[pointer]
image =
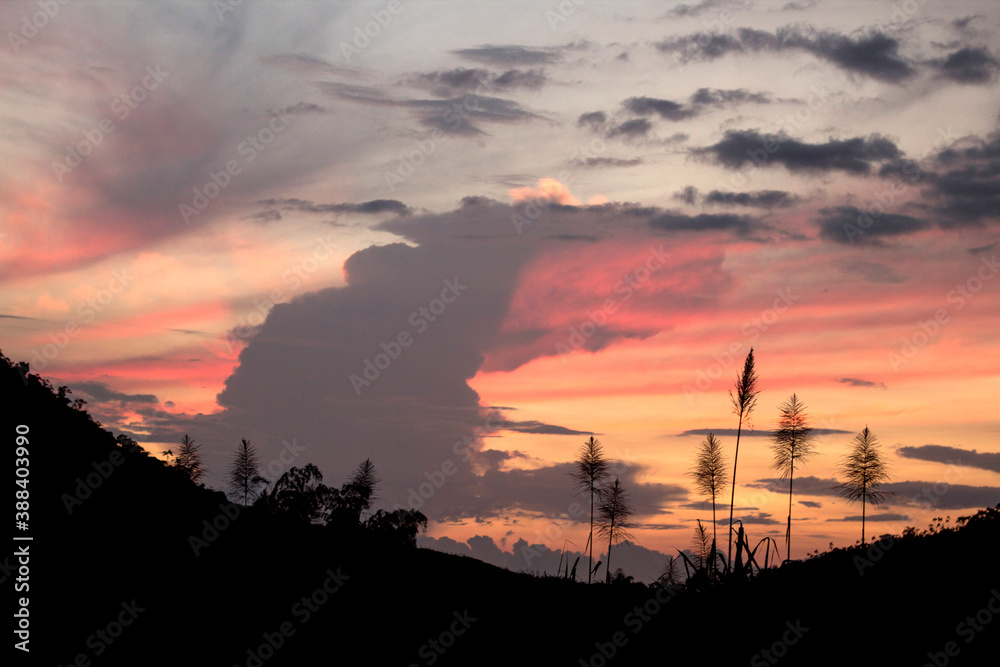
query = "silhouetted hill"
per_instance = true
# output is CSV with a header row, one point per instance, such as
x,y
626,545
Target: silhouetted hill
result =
x,y
127,553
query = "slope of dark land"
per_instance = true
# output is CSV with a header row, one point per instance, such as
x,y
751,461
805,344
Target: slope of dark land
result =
x,y
127,552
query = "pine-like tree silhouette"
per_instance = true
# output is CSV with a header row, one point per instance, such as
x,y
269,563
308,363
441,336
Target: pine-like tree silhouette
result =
x,y
793,443
244,473
590,469
359,492
744,401
865,472
614,517
709,474
188,459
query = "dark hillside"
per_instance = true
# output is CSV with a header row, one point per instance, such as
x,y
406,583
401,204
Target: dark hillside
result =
x,y
263,591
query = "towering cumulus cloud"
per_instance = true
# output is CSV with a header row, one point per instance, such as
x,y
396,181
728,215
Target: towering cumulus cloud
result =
x,y
380,368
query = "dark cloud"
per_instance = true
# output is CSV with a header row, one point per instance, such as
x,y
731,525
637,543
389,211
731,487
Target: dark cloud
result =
x,y
683,10
856,155
761,518
752,433
645,106
539,428
874,54
373,207
740,224
593,119
689,195
875,517
767,199
970,65
854,382
953,456
263,216
446,83
966,181
638,127
928,495
985,248
100,392
508,55
799,5
702,100
806,485
941,495
599,162
811,504
303,108
715,97
306,64
457,115
847,224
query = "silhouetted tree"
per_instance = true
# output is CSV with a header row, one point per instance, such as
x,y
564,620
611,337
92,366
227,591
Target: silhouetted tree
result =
x,y
614,517
399,527
865,472
244,473
590,469
300,495
709,474
744,401
188,459
793,443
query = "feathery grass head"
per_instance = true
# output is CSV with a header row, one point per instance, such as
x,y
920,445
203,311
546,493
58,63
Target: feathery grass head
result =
x,y
745,397
794,438
591,467
864,470
709,472
615,512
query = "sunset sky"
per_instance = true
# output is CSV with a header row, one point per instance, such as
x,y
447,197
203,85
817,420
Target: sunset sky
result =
x,y
527,223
